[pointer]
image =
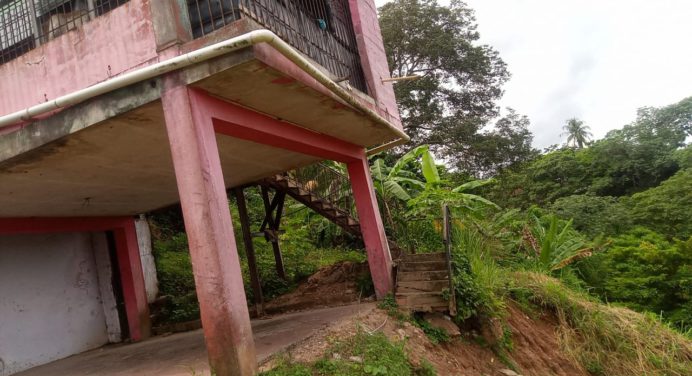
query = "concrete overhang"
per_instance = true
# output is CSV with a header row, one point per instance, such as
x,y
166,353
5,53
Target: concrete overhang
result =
x,y
110,155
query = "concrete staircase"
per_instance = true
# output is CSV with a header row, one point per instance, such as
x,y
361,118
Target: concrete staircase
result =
x,y
420,280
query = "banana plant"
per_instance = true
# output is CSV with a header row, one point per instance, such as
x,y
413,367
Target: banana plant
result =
x,y
556,246
402,182
397,181
397,184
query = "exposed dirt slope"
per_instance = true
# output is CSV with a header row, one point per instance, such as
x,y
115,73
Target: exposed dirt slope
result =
x,y
334,285
535,347
536,351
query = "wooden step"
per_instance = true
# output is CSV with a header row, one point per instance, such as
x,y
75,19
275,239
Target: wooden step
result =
x,y
422,286
424,302
420,257
435,275
423,266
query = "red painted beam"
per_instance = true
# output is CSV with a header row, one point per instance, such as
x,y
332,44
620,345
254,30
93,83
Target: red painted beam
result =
x,y
127,250
58,224
132,281
235,121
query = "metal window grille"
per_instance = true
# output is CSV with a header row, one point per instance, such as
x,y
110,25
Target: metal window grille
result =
x,y
25,24
321,29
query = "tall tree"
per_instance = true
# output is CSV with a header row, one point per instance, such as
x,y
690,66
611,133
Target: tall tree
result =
x,y
506,145
578,134
460,78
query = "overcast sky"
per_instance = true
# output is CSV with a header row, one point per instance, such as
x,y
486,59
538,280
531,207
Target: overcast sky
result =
x,y
597,60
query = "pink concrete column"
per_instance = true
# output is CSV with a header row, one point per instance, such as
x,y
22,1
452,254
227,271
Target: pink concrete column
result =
x,y
374,237
215,262
132,280
373,57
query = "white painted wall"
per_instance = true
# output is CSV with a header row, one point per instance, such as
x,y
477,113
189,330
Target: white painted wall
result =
x,y
104,272
151,282
50,298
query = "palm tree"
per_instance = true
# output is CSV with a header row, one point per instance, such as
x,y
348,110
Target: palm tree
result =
x,y
577,133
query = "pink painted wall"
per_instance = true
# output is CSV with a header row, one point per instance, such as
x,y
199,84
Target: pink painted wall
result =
x,y
113,43
373,57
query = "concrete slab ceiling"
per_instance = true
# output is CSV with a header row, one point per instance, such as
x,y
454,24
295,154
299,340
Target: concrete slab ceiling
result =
x,y
102,165
121,166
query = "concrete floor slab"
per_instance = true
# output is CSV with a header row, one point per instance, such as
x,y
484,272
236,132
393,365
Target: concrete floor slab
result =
x,y
183,354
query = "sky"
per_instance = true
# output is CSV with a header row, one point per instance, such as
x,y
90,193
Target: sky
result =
x,y
596,60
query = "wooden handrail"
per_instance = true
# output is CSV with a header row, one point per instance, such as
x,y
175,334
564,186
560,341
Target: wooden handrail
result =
x,y
448,253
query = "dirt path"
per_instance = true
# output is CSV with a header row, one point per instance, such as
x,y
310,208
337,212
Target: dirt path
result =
x,y
184,354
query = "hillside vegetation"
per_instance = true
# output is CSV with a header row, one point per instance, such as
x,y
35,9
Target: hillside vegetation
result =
x,y
595,235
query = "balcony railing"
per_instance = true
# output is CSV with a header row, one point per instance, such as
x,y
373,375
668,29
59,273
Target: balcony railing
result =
x,y
25,24
321,29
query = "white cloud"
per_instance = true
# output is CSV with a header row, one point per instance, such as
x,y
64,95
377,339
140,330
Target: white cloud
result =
x,y
592,59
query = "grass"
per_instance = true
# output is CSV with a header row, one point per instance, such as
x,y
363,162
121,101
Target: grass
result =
x,y
363,354
479,282
604,339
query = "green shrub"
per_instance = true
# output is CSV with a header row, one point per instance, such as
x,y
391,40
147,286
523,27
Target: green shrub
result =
x,y
666,208
594,215
176,280
435,335
646,272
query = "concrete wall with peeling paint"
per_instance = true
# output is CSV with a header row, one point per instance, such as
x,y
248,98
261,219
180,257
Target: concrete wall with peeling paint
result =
x,y
53,302
113,43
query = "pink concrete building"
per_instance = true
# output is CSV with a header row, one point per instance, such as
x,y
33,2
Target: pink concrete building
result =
x,y
112,108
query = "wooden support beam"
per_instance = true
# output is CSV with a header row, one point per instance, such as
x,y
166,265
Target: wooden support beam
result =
x,y
278,257
269,209
250,252
273,223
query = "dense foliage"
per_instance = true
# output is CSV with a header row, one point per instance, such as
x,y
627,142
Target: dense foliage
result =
x,y
631,194
635,158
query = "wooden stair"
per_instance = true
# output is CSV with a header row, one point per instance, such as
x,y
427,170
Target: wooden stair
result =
x,y
340,217
420,281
